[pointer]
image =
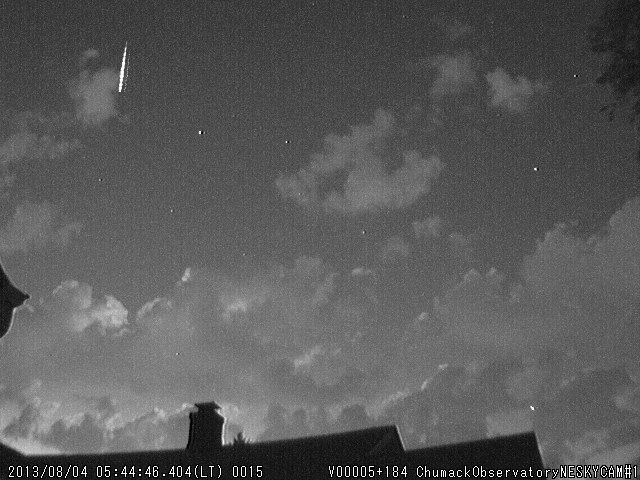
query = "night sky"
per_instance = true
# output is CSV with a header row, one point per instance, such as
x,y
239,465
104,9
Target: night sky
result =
x,y
321,215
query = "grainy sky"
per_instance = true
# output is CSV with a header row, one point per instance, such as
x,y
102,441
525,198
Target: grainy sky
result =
x,y
319,214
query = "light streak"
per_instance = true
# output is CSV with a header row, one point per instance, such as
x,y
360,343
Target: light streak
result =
x,y
124,69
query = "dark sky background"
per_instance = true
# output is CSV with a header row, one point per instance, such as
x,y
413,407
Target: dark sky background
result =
x,y
321,215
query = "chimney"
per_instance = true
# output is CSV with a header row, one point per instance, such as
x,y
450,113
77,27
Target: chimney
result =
x,y
205,429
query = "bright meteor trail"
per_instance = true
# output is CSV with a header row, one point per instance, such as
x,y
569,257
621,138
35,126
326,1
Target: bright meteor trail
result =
x,y
123,69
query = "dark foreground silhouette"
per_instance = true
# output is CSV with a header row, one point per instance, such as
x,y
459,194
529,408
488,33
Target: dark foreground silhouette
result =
x,y
10,299
371,453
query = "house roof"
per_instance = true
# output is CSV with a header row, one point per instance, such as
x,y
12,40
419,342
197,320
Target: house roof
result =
x,y
514,451
359,444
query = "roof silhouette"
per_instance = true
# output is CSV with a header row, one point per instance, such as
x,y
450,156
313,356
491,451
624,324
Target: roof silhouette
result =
x,y
301,458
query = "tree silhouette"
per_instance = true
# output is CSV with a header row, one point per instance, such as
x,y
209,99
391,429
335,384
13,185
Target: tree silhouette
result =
x,y
617,34
240,440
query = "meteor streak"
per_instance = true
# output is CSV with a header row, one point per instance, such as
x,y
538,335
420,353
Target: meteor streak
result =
x,y
124,70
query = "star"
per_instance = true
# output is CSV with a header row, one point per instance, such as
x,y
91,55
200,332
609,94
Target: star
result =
x,y
535,169
172,210
200,132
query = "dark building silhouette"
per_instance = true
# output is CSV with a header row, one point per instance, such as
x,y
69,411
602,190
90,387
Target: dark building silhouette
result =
x,y
10,299
379,450
374,452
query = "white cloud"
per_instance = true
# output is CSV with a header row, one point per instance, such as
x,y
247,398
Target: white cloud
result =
x,y
210,331
368,185
74,302
35,226
576,294
308,357
512,95
100,430
94,94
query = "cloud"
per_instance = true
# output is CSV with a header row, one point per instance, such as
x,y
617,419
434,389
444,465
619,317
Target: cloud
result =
x,y
211,330
434,229
354,165
35,226
283,376
101,429
362,272
455,74
512,95
309,357
26,145
582,417
575,294
34,137
428,228
74,301
509,423
94,94
88,54
452,405
26,424
280,423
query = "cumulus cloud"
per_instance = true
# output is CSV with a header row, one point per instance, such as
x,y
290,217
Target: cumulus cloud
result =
x,y
452,405
26,424
512,95
356,164
94,94
35,226
100,429
26,145
239,337
303,386
438,234
582,418
576,293
456,74
34,136
74,301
